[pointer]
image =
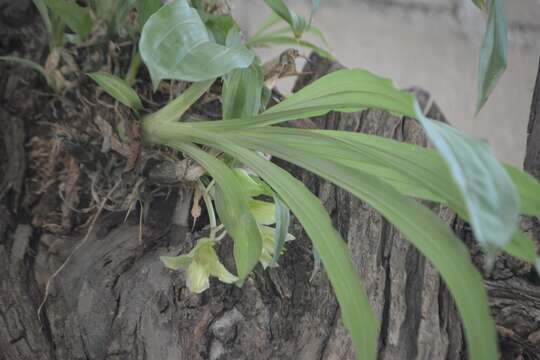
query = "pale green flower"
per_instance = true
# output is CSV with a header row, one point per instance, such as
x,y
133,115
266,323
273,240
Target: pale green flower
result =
x,y
201,263
269,244
264,212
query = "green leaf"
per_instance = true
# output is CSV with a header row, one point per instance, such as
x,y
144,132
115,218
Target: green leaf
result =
x,y
283,219
343,90
529,191
272,20
357,315
175,44
242,92
298,23
315,5
232,207
410,169
489,194
251,187
269,246
34,66
174,110
145,8
44,13
118,89
494,52
422,228
264,212
287,40
219,26
479,3
77,18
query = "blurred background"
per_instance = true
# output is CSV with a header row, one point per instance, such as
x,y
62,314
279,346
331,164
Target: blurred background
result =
x,y
433,44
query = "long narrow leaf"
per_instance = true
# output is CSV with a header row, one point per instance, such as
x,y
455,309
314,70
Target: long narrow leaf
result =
x,y
288,40
233,210
412,170
426,231
118,89
490,196
357,314
282,227
174,110
494,52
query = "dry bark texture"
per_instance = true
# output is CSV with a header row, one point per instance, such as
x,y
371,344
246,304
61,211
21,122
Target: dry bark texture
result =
x,y
115,300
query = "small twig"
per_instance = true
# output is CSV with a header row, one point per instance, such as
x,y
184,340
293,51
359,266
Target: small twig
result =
x,y
86,237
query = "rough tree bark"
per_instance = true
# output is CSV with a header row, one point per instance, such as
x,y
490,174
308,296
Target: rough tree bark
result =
x,y
115,300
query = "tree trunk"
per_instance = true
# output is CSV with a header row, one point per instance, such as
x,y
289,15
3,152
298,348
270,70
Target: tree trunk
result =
x,y
113,299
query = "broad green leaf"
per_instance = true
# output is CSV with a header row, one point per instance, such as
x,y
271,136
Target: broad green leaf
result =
x,y
118,89
422,228
175,44
283,219
490,196
174,110
270,39
233,210
494,52
77,18
145,8
242,92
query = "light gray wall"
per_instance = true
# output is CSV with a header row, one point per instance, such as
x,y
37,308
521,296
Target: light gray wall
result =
x,y
433,44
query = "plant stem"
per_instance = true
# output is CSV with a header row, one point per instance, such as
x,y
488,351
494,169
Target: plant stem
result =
x,y
133,68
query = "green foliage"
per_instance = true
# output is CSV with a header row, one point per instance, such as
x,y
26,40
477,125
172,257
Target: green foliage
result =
x,y
51,79
118,89
77,18
233,209
494,52
283,219
350,90
242,92
479,3
254,198
488,191
145,8
175,44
